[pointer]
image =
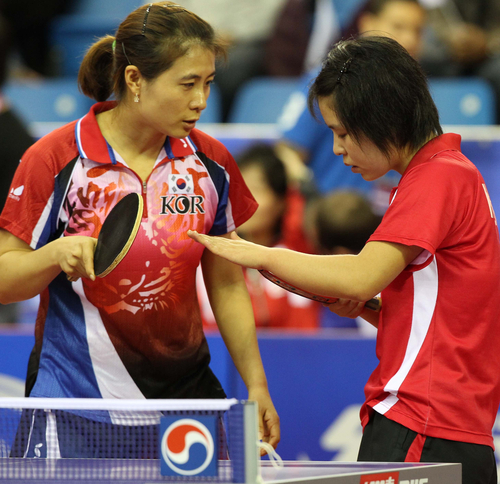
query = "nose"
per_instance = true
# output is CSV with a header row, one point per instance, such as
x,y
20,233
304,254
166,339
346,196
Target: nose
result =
x,y
338,148
199,100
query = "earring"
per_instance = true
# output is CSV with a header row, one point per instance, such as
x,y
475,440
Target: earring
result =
x,y
136,98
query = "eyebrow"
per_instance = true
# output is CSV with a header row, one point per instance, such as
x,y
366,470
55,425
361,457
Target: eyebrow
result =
x,y
189,77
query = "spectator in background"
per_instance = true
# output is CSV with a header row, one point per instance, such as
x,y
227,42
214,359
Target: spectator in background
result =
x,y
274,307
304,31
306,144
30,22
341,222
246,27
464,40
403,20
14,141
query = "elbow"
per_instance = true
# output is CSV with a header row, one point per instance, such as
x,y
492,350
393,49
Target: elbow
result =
x,y
6,297
5,300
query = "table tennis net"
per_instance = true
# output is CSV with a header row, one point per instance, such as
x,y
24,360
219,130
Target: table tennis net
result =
x,y
98,439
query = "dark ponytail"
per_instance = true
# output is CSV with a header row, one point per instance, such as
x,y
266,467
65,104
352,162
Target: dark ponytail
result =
x,y
95,77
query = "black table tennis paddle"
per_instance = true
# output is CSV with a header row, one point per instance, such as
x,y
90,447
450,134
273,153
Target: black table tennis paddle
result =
x,y
374,304
117,233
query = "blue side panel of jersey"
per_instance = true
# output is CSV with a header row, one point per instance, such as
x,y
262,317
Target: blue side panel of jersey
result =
x,y
219,178
65,365
53,227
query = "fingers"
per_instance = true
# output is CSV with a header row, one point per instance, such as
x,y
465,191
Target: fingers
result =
x,y
269,426
213,244
76,257
272,433
347,308
88,259
269,421
201,239
194,235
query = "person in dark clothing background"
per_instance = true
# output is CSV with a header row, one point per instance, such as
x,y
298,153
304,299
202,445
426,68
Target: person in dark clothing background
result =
x,y
14,141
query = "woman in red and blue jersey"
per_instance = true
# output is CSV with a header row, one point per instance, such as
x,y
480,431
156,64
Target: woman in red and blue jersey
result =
x,y
136,333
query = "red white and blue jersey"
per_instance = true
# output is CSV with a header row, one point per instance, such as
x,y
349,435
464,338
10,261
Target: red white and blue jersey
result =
x,y
136,333
439,335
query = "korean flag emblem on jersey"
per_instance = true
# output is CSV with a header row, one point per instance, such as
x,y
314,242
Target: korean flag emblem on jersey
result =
x,y
181,184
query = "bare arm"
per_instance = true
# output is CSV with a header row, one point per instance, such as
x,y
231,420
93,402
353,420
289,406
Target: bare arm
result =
x,y
27,272
357,277
232,308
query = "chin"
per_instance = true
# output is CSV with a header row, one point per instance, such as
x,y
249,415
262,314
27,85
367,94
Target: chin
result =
x,y
180,133
372,177
369,176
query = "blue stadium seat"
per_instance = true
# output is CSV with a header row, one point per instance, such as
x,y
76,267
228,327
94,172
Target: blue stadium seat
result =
x,y
119,8
460,101
261,100
463,100
57,100
73,34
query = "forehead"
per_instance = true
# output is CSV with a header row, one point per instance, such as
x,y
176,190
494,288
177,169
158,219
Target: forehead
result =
x,y
197,61
329,115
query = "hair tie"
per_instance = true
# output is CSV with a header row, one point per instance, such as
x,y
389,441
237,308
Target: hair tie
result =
x,y
114,45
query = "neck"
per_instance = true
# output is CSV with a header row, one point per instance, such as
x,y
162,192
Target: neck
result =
x,y
409,153
136,144
121,129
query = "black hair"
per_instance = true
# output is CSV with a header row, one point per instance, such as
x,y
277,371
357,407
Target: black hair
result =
x,y
263,155
344,219
379,92
151,38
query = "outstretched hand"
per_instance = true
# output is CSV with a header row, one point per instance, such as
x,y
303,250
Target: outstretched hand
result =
x,y
235,249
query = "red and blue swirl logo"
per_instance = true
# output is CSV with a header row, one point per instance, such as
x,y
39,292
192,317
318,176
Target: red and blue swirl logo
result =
x,y
187,447
181,183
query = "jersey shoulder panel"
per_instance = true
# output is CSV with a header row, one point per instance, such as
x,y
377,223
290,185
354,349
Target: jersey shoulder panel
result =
x,y
56,148
210,146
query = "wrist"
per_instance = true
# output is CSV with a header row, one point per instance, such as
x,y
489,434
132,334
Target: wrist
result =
x,y
258,386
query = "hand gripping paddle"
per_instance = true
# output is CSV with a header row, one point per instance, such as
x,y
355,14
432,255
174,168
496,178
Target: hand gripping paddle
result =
x,y
375,304
117,233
